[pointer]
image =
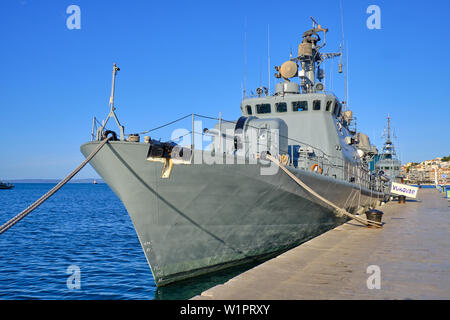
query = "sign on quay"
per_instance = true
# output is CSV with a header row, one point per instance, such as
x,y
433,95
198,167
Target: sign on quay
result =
x,y
404,190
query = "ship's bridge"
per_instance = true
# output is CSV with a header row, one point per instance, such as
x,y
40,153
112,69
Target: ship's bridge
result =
x,y
291,105
312,119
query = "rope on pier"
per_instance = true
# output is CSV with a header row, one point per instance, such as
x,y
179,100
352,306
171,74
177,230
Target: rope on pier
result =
x,y
307,188
42,199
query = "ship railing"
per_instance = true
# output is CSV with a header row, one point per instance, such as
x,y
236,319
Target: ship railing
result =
x,y
339,168
193,117
331,165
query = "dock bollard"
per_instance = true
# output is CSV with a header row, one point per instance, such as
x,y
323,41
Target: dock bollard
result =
x,y
374,215
401,199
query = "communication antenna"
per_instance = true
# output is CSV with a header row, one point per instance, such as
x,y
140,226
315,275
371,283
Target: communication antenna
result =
x,y
260,73
342,19
268,54
245,58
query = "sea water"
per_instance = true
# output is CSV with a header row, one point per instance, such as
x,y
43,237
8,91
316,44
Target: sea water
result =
x,y
80,244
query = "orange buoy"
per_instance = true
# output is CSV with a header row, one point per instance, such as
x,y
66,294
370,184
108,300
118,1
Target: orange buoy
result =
x,y
316,168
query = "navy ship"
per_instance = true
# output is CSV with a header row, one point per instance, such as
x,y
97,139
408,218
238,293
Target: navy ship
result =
x,y
197,210
388,164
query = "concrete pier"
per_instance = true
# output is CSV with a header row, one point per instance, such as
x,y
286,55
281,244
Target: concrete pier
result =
x,y
412,252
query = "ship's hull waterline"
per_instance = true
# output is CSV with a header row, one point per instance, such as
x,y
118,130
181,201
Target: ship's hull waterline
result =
x,y
209,217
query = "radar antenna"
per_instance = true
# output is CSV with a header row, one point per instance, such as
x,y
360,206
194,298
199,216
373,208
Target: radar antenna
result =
x,y
310,58
307,64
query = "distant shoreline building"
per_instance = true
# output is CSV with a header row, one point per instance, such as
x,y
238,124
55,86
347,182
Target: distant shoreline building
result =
x,y
435,171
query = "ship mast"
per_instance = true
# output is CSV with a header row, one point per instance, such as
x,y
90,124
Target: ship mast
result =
x,y
388,148
308,60
112,107
389,127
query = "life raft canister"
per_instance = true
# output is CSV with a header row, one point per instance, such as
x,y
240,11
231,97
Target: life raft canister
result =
x,y
284,159
316,168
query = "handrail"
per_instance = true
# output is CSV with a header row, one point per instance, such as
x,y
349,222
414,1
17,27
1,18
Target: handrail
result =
x,y
319,156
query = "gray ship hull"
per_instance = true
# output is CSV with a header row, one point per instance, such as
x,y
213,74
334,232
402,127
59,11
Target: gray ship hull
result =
x,y
209,217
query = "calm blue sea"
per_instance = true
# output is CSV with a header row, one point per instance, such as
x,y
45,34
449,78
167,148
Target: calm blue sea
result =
x,y
87,227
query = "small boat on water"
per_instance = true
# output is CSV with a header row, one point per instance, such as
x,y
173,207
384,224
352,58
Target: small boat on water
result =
x,y
6,185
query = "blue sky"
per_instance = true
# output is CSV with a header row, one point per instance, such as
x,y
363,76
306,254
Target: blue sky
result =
x,y
178,57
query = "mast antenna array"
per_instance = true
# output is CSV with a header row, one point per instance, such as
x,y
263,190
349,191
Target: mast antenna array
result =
x,y
309,59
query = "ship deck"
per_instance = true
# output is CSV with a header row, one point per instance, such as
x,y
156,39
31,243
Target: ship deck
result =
x,y
412,252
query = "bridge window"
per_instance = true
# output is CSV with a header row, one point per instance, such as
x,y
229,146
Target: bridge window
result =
x,y
299,105
281,107
328,107
337,109
263,108
249,109
316,105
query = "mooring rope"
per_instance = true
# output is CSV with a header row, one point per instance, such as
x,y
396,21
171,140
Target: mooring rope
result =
x,y
41,200
311,191
167,124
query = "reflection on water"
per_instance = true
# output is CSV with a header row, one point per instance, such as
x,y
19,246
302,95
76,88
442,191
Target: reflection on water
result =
x,y
84,225
189,288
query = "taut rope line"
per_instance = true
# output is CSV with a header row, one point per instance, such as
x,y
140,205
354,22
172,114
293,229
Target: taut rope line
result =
x,y
307,188
42,199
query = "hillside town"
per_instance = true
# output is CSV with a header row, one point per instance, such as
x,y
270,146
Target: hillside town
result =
x,y
435,171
